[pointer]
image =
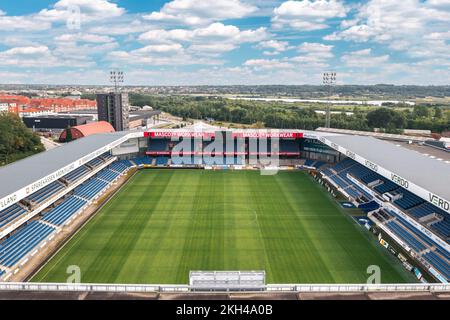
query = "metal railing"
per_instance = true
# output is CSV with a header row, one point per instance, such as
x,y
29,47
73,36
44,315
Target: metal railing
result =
x,y
270,288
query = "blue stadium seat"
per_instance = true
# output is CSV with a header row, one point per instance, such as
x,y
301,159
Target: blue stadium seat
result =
x,y
158,145
107,175
162,161
386,186
440,264
46,192
291,146
95,162
10,214
13,249
90,189
76,174
63,211
409,200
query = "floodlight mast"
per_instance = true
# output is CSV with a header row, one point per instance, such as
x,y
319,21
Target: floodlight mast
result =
x,y
329,79
116,78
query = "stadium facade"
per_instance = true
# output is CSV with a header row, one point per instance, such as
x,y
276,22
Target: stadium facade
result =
x,y
406,194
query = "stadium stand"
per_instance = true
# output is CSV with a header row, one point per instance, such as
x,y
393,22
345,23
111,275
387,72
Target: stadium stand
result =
x,y
13,249
408,200
439,263
338,174
158,145
143,161
314,163
106,156
162,161
63,211
443,227
369,206
76,174
46,192
94,163
430,250
90,189
290,146
120,166
406,236
10,214
424,210
386,186
107,175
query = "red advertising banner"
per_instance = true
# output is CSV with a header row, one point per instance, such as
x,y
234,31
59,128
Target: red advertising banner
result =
x,y
209,135
178,134
281,135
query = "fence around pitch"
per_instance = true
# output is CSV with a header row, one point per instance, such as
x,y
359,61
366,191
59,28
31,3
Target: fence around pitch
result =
x,y
271,288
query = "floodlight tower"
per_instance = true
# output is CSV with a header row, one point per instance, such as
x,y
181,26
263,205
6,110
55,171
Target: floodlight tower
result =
x,y
329,79
116,78
113,107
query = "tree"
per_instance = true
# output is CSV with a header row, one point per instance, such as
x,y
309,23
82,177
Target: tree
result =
x,y
68,135
16,140
438,114
386,119
421,111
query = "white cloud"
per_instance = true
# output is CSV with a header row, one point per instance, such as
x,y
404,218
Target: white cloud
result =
x,y
274,47
207,48
118,28
213,32
388,21
164,36
438,36
90,10
364,59
62,11
172,54
214,38
357,33
14,23
319,50
37,57
200,12
418,29
307,15
313,55
84,37
263,64
26,51
160,48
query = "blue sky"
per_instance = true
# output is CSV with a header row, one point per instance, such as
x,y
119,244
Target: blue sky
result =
x,y
214,42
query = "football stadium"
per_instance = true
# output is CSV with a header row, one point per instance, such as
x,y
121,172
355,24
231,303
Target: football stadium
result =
x,y
213,209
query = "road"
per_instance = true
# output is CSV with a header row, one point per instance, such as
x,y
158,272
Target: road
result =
x,y
49,144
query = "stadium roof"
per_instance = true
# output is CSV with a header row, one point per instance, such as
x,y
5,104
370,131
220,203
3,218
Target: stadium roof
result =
x,y
430,174
94,128
380,135
27,171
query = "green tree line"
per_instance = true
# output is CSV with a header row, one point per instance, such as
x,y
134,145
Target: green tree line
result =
x,y
283,115
16,140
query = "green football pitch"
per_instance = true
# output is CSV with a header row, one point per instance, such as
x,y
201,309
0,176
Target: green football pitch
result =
x,y
164,223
